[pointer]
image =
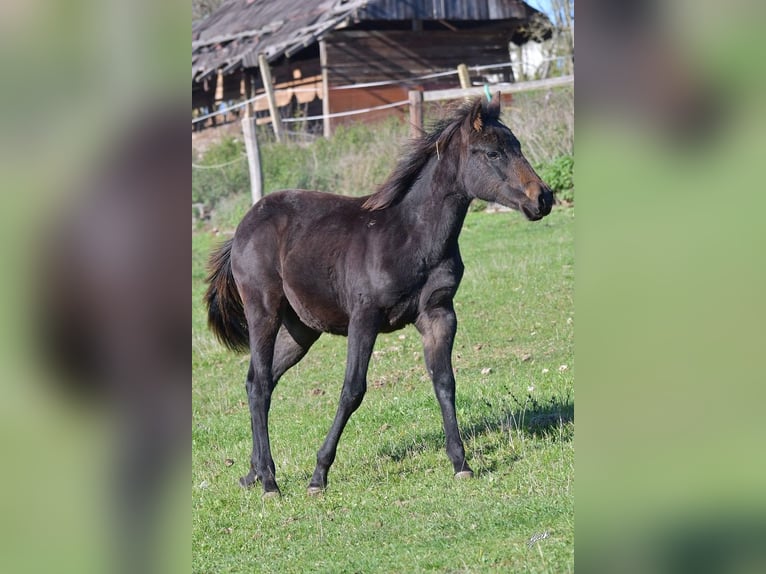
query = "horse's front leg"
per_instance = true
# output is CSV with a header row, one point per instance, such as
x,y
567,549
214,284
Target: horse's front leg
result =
x,y
437,327
362,332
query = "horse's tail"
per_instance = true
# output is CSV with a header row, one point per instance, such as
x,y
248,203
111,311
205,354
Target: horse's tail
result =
x,y
225,313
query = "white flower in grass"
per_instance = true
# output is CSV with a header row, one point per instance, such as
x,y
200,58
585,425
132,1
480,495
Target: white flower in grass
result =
x,y
545,371
531,388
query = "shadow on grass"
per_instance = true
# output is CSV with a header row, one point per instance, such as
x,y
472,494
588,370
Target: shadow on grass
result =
x,y
527,418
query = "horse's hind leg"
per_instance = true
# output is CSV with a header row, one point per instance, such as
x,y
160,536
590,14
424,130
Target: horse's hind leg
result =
x,y
362,333
259,385
293,341
251,477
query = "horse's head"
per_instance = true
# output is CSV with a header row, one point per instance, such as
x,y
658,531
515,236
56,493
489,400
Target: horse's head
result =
x,y
493,167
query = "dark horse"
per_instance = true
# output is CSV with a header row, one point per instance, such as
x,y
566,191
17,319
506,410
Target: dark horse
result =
x,y
303,262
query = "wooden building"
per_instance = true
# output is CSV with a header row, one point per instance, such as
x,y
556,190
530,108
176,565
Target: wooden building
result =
x,y
315,49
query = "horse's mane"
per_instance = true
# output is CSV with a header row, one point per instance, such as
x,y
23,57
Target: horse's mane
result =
x,y
419,150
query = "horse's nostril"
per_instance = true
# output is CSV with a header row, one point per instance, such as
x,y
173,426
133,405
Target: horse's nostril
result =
x,y
545,200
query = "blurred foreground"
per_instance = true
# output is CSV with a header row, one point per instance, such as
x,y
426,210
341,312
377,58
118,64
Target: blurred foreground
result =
x,y
670,283
94,417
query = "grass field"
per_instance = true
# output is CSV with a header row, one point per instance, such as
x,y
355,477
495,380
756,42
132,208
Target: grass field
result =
x,y
392,504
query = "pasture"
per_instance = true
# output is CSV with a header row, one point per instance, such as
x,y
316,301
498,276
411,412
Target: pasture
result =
x,y
392,504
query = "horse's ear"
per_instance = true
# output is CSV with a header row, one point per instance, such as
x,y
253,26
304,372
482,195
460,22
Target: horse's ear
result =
x,y
493,107
476,116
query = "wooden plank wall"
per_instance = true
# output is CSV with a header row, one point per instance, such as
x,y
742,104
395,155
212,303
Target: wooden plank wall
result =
x,y
363,98
356,56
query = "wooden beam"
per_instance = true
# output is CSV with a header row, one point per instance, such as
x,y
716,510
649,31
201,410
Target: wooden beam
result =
x,y
447,25
276,120
436,95
325,88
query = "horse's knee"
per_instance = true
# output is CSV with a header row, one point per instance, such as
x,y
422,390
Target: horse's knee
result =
x,y
352,395
444,388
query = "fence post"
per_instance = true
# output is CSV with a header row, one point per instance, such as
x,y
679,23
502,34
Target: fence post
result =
x,y
327,126
276,120
416,113
464,76
253,158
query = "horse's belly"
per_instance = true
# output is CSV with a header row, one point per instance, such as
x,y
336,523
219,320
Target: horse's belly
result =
x,y
317,311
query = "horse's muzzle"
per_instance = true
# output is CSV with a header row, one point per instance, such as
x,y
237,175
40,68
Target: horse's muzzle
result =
x,y
541,200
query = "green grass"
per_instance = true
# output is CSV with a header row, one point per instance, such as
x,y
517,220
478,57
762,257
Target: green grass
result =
x,y
392,504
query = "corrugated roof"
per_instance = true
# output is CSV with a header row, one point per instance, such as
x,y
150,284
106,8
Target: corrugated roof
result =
x,y
232,37
448,10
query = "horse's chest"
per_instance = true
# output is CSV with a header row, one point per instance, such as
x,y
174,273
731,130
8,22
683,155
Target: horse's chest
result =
x,y
435,288
401,312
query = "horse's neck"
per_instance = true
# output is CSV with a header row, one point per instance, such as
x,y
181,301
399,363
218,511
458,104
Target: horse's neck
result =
x,y
436,206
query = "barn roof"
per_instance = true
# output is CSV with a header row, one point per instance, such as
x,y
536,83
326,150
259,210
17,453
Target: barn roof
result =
x,y
233,35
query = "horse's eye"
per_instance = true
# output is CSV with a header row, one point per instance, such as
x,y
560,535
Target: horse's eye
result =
x,y
493,155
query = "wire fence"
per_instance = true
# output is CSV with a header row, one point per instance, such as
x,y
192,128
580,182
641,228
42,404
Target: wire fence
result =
x,y
404,82
219,165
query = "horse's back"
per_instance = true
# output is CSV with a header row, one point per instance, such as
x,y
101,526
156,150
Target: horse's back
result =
x,y
289,214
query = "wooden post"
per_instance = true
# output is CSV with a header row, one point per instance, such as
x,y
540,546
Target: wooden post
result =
x,y
416,113
253,158
325,88
464,76
276,120
249,93
219,87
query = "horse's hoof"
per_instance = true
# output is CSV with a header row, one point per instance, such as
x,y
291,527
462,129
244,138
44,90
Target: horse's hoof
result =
x,y
315,490
247,481
464,474
268,495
